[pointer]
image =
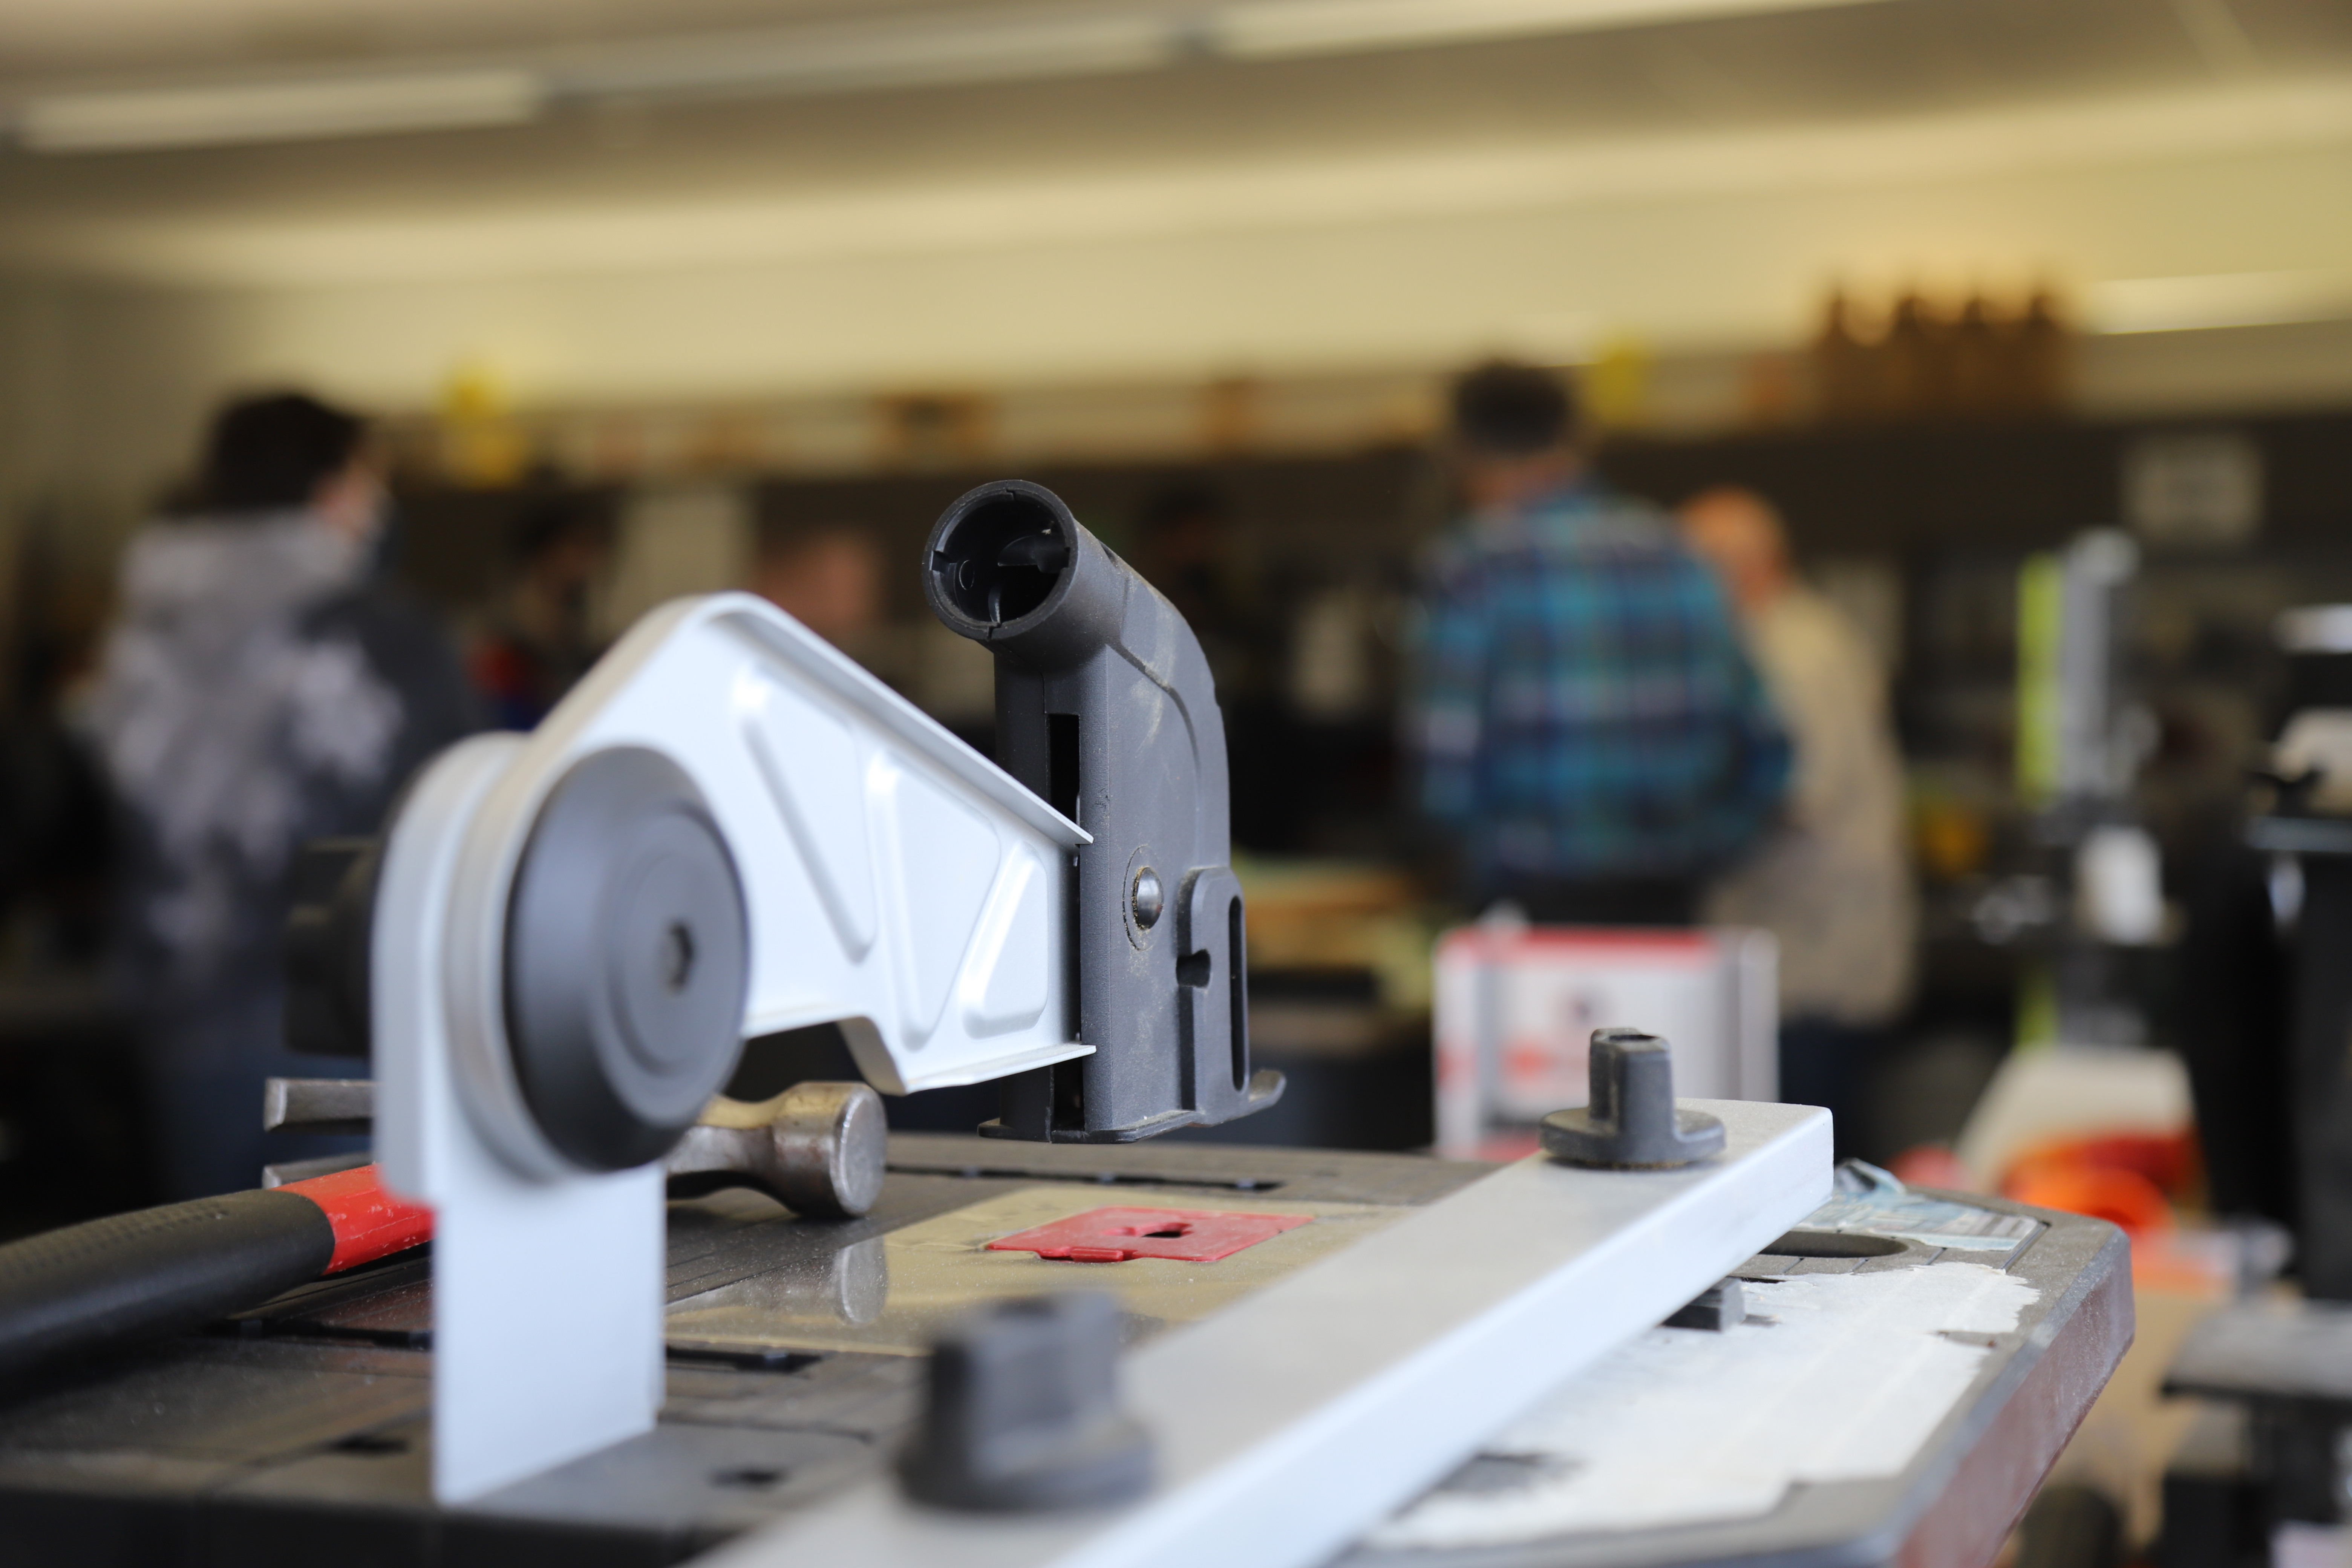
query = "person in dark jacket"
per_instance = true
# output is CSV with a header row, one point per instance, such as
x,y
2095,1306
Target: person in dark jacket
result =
x,y
257,690
538,640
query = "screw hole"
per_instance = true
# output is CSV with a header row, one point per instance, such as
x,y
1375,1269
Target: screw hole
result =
x,y
750,1479
1832,1244
677,956
1486,1475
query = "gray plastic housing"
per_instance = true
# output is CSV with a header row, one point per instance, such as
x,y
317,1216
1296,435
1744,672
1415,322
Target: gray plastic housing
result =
x,y
1105,707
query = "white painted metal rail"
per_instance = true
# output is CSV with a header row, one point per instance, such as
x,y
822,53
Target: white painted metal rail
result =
x,y
1294,1419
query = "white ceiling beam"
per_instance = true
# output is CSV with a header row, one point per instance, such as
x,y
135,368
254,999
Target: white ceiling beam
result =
x,y
298,110
946,51
2204,301
1273,28
1013,46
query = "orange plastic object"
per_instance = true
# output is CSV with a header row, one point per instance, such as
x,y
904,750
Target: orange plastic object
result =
x,y
2119,1197
2128,1178
2170,1160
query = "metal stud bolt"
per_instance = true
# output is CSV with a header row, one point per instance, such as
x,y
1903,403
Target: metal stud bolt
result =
x,y
1631,1122
1147,897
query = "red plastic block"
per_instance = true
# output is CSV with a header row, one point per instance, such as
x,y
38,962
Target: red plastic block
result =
x,y
1115,1234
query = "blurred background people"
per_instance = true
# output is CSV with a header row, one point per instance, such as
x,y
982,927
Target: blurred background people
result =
x,y
538,638
827,577
1587,723
1832,880
1185,542
1185,548
255,691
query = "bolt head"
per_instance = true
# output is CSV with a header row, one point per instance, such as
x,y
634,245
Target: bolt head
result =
x,y
1147,897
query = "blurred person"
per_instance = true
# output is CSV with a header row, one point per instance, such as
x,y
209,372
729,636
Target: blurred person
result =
x,y
828,578
539,641
1183,547
255,691
1278,770
1181,536
55,825
1833,882
1588,721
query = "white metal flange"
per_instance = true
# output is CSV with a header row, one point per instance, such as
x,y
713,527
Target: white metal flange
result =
x,y
894,881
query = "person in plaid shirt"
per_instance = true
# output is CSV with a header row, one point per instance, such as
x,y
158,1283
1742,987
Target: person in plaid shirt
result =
x,y
1586,720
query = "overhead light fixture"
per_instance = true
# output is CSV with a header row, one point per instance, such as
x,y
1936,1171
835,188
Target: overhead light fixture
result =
x,y
220,115
1014,46
2199,301
1044,43
906,51
1261,29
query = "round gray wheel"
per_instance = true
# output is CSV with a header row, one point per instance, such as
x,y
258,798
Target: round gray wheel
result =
x,y
627,959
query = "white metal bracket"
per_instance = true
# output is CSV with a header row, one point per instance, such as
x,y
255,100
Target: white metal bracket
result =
x,y
894,879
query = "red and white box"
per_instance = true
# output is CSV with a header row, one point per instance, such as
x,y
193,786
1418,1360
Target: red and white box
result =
x,y
1516,1005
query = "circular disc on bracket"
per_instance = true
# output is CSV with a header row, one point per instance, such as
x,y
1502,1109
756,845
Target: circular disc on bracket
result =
x,y
627,959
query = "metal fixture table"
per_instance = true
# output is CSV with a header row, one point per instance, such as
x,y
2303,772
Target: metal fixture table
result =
x,y
297,1433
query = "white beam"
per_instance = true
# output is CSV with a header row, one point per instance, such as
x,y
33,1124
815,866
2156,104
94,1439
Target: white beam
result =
x,y
1010,45
1300,1416
296,111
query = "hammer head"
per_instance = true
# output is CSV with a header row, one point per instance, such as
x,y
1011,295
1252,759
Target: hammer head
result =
x,y
819,1149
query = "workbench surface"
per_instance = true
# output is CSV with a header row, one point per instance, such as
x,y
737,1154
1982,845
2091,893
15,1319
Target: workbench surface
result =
x,y
298,1433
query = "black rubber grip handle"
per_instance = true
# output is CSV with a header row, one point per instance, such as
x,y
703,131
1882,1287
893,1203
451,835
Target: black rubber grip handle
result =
x,y
155,1272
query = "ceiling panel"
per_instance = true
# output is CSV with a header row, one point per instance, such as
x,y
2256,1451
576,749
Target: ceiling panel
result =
x,y
1864,64
61,38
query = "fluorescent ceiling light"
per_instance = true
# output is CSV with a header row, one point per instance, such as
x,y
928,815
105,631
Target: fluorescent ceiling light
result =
x,y
2216,300
1266,28
278,111
1033,46
840,59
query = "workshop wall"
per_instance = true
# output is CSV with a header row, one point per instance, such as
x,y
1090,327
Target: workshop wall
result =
x,y
1694,251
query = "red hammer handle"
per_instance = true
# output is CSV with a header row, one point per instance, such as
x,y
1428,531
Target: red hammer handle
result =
x,y
160,1271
